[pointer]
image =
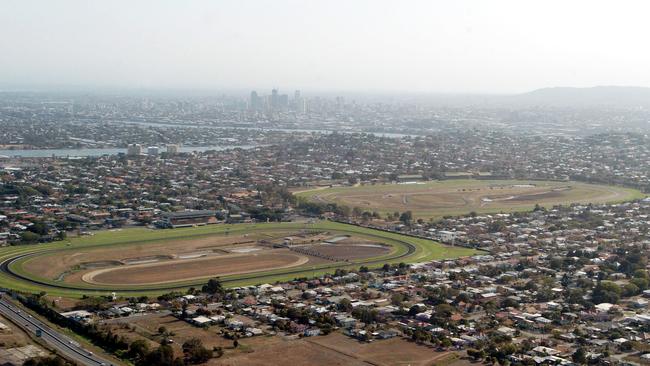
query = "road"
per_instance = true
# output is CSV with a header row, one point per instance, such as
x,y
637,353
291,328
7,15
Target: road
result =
x,y
65,346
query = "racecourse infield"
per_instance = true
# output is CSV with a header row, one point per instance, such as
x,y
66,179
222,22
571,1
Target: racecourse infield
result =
x,y
160,261
435,199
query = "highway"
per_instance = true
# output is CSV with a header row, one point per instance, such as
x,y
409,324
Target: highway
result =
x,y
65,346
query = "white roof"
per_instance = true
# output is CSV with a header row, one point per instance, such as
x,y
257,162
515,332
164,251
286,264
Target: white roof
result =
x,y
202,319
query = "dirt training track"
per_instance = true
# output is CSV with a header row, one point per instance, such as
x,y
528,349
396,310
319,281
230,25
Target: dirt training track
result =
x,y
192,269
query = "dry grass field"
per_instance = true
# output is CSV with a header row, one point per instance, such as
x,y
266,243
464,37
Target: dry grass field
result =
x,y
12,336
394,351
454,197
335,349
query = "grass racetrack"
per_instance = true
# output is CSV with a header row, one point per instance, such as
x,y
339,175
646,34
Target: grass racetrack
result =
x,y
435,199
140,261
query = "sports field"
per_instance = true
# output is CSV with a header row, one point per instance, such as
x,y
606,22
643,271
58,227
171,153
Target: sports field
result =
x,y
456,197
147,261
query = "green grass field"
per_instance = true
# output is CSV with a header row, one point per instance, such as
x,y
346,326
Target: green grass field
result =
x,y
423,250
435,199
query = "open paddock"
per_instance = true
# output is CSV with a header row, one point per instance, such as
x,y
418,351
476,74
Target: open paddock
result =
x,y
455,197
394,351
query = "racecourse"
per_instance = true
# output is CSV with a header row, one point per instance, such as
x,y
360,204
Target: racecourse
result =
x,y
435,199
19,272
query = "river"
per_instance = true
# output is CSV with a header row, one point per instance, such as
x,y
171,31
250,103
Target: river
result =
x,y
46,153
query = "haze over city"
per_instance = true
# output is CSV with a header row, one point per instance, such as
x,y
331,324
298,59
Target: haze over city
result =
x,y
504,46
359,182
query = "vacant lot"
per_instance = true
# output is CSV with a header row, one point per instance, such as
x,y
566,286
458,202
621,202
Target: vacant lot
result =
x,y
395,351
12,336
453,197
260,350
282,353
334,349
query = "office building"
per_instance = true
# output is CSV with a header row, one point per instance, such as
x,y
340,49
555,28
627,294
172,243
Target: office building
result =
x,y
172,149
134,150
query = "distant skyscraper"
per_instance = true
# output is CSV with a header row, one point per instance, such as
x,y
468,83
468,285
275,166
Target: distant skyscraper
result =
x,y
255,102
283,101
302,106
275,99
153,150
172,149
298,102
340,102
134,150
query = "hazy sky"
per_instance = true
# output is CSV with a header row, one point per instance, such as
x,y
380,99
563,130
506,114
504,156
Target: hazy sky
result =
x,y
374,45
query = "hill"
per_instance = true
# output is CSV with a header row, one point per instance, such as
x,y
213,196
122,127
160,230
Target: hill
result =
x,y
612,96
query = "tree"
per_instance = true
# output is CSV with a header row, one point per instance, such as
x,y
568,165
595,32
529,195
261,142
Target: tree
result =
x,y
345,304
641,282
630,289
420,336
162,356
580,356
29,237
606,292
406,217
443,311
476,354
195,352
139,349
213,286
365,314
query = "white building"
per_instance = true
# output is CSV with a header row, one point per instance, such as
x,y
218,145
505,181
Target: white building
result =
x,y
447,236
153,150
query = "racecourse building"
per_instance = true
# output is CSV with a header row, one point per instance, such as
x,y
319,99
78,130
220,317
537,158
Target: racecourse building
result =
x,y
190,218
